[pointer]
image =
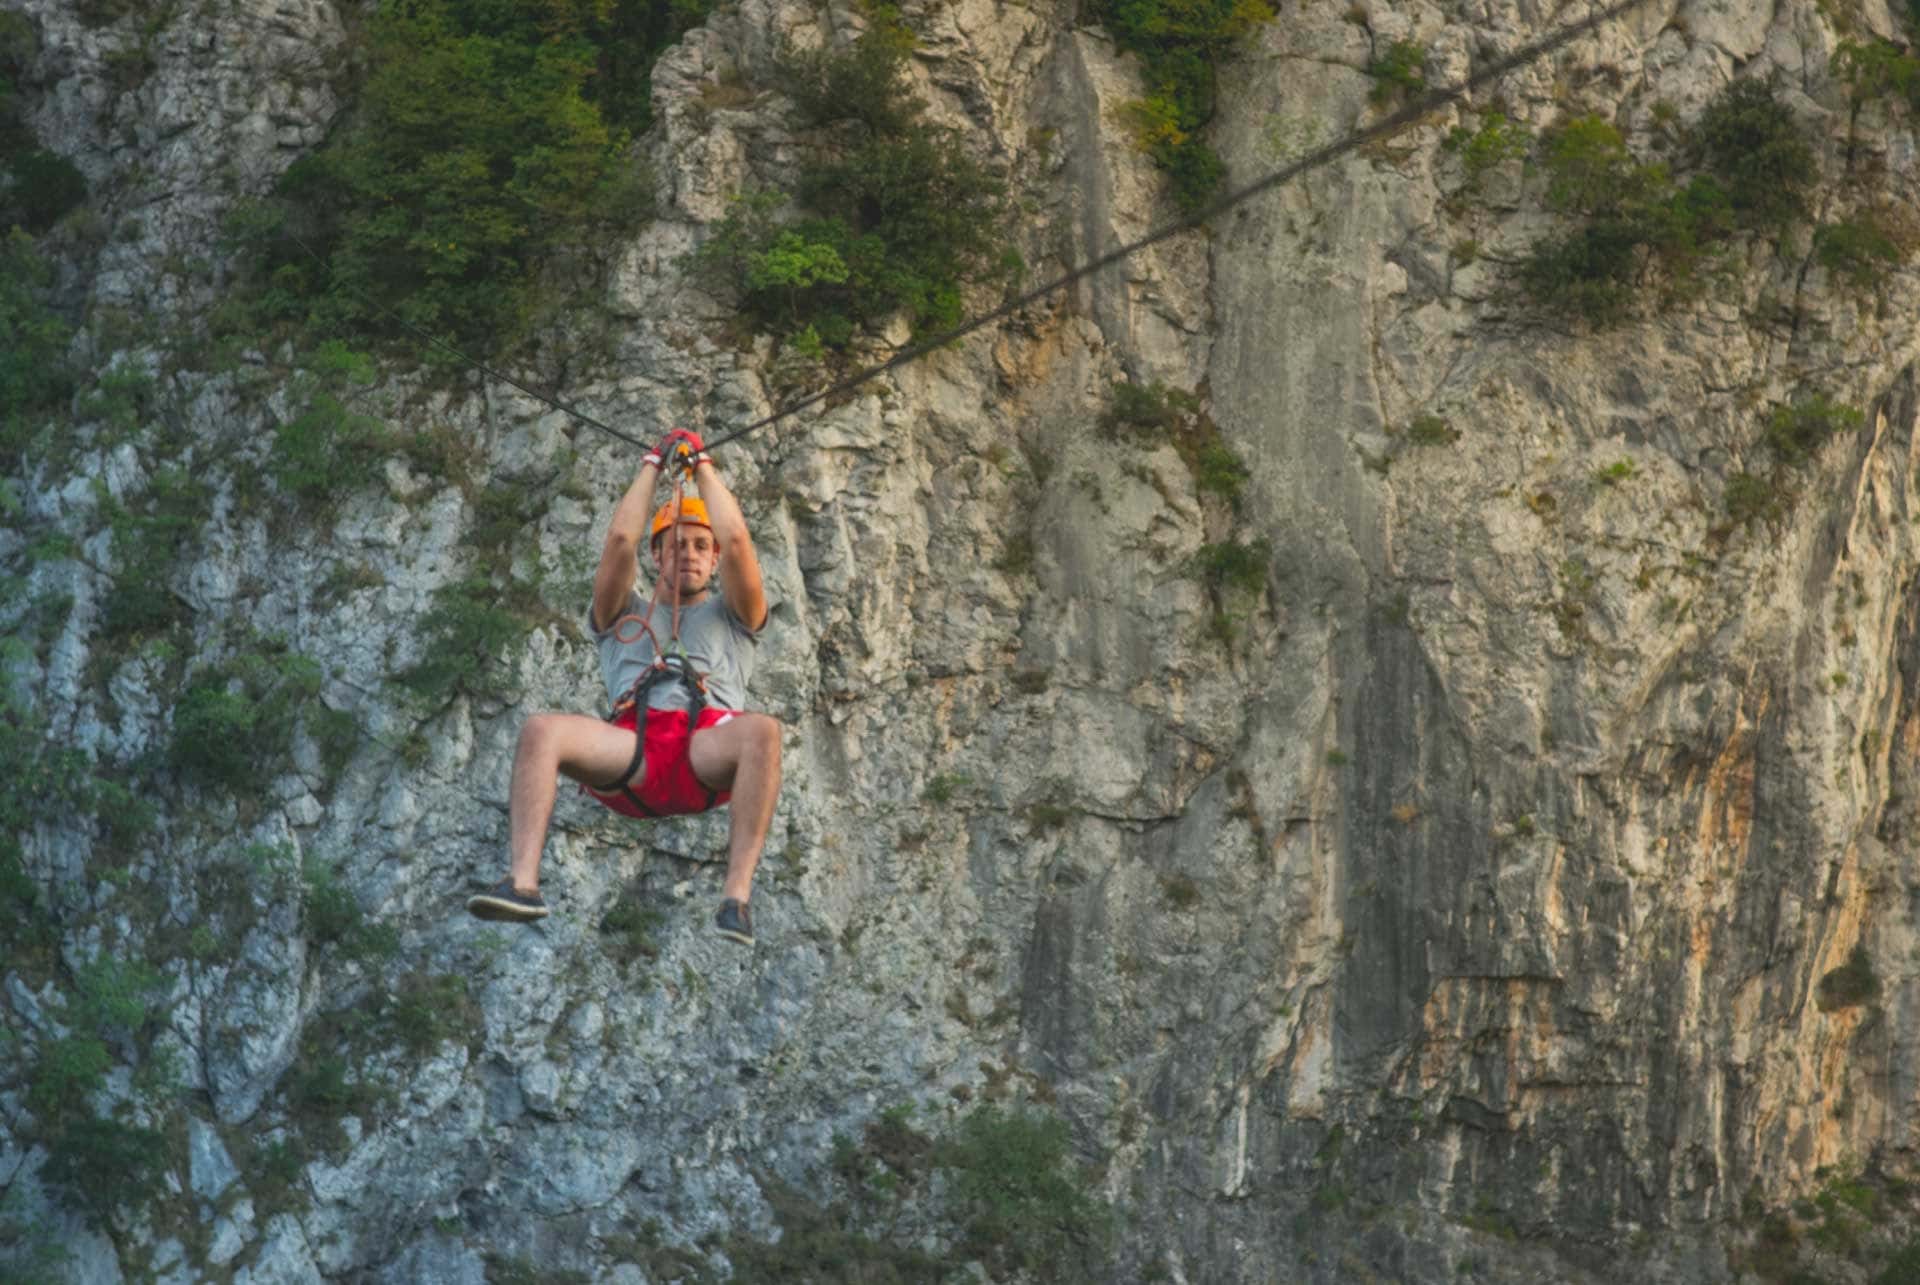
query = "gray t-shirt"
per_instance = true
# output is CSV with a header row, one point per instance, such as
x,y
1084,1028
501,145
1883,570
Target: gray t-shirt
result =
x,y
718,643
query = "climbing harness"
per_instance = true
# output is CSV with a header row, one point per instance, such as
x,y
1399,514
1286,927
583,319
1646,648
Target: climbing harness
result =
x,y
670,663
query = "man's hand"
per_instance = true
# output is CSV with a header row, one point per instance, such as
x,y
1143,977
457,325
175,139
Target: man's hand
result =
x,y
680,444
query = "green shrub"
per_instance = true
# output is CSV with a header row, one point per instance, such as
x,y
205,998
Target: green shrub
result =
x,y
34,374
1241,567
327,450
105,1164
1749,141
629,928
68,1072
1589,170
1750,499
1180,44
1017,1198
1496,142
39,189
488,136
1398,72
1850,985
1149,410
1588,272
1858,250
1875,71
466,632
148,547
1794,432
865,83
234,725
329,911
894,217
428,1009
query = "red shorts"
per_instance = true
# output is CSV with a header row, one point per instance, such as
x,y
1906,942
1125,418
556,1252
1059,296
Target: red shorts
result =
x,y
667,785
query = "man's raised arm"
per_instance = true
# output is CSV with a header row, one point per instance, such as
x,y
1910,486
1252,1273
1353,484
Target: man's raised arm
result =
x,y
739,564
613,581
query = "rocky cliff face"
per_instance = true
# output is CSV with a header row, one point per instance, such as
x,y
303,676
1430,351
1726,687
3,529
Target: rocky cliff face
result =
x,y
1511,876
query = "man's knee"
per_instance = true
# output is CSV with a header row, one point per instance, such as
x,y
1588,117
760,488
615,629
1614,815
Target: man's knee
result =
x,y
764,731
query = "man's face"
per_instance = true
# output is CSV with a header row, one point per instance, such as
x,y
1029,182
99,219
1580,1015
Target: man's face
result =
x,y
686,557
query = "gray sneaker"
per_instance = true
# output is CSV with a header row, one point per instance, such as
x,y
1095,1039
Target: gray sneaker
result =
x,y
502,902
734,922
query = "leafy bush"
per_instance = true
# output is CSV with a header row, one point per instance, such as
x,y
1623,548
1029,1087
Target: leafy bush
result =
x,y
327,450
39,189
1241,567
148,547
34,374
233,727
1179,44
1748,140
466,630
105,1164
1859,250
1751,498
1401,70
1587,272
1496,142
898,218
1794,432
1875,71
488,136
1021,1205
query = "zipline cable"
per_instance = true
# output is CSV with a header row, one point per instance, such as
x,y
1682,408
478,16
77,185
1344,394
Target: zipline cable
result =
x,y
1382,128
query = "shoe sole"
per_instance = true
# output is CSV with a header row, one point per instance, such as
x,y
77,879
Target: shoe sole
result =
x,y
498,911
743,938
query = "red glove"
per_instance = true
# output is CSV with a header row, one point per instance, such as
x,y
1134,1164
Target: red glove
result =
x,y
681,443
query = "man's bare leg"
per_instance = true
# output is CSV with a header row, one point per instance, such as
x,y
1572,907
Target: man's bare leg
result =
x,y
741,756
585,749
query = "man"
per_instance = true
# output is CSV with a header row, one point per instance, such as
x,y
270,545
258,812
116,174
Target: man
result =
x,y
662,754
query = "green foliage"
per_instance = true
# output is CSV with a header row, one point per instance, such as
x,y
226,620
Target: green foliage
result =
x,y
38,189
1399,71
68,1072
331,916
428,1009
1180,44
148,547
1429,429
1635,218
865,83
328,451
1496,142
897,217
1750,142
233,727
1017,1198
105,1164
629,927
1876,71
1149,410
1850,985
465,633
942,787
1587,272
1154,413
1859,250
1751,498
1589,170
34,374
1795,432
488,137
1238,567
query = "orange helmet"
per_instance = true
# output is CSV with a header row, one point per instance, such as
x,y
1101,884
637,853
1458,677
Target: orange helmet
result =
x,y
693,512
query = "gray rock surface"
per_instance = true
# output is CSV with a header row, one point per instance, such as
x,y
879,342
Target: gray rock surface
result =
x,y
1466,906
